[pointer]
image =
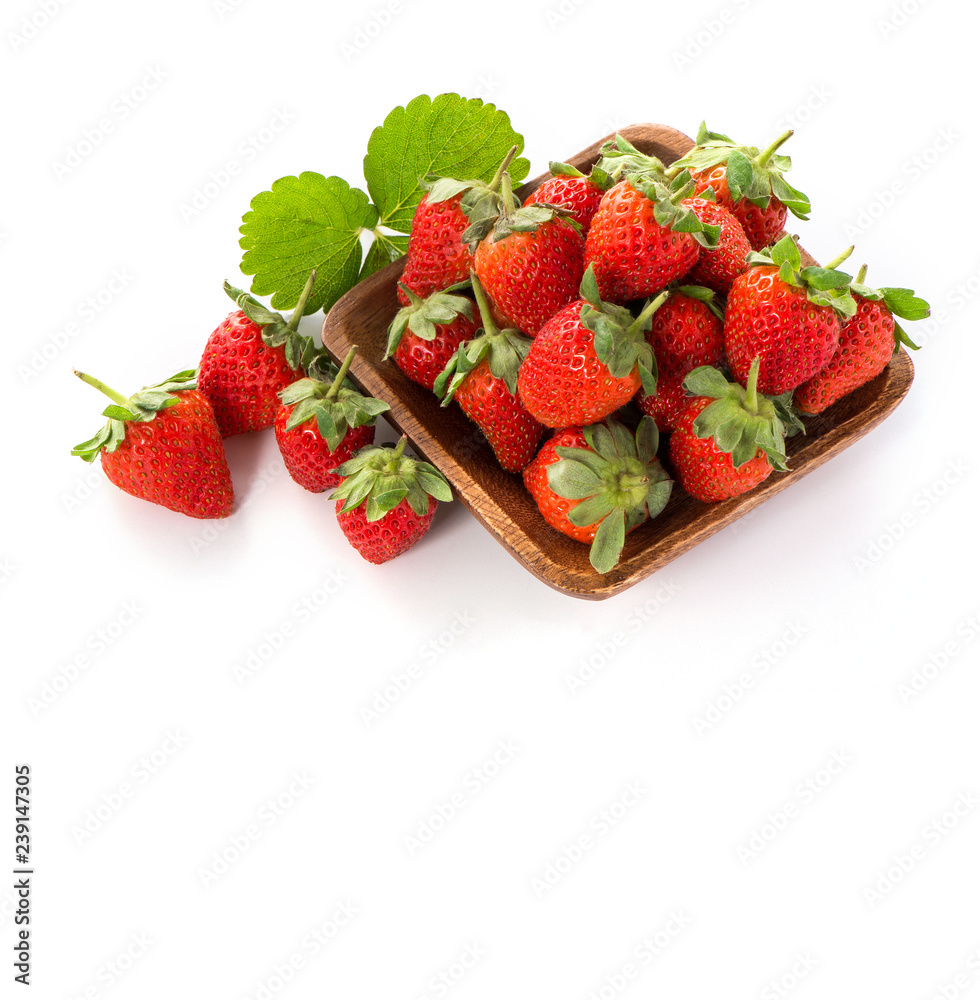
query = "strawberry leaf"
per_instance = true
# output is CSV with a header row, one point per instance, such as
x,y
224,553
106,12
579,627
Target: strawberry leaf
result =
x,y
305,223
608,542
383,251
904,303
738,174
447,135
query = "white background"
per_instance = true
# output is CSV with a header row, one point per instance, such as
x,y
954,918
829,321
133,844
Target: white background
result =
x,y
762,853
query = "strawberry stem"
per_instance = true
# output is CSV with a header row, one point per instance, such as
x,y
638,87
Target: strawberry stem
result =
x,y
304,295
862,274
489,327
678,196
766,155
498,176
507,194
648,310
840,258
116,397
396,454
751,396
341,375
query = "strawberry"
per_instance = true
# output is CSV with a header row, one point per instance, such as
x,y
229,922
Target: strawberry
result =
x,y
785,315
746,181
614,475
530,263
643,236
867,342
718,267
587,360
482,377
570,188
162,444
249,359
322,421
728,439
438,253
425,334
386,501
686,333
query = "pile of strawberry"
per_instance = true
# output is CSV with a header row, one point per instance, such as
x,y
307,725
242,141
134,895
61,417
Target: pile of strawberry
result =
x,y
165,443
574,329
635,301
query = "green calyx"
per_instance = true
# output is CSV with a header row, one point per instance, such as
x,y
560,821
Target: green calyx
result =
x,y
482,201
597,176
741,420
422,316
276,330
669,209
825,286
618,336
901,302
515,218
619,158
504,350
750,173
618,481
141,407
328,397
708,296
381,476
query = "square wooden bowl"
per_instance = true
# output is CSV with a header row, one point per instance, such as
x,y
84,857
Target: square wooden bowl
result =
x,y
498,499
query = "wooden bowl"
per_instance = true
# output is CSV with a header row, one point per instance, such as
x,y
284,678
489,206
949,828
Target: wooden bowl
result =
x,y
447,439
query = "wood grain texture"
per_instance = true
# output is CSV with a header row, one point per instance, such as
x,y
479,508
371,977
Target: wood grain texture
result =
x,y
498,499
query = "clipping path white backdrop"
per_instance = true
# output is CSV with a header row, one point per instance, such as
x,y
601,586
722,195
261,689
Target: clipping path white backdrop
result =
x,y
262,767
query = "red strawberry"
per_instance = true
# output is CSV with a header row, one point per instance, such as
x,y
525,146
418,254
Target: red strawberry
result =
x,y
530,264
748,182
718,267
571,189
482,377
643,236
438,253
249,359
425,334
322,421
785,315
587,360
867,342
635,255
162,444
686,333
728,439
614,476
386,500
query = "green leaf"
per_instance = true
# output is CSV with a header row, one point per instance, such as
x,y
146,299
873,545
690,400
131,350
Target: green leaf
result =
x,y
591,510
608,542
786,250
329,431
658,495
738,174
448,136
647,440
382,252
305,223
116,412
573,480
706,381
434,484
904,303
822,279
